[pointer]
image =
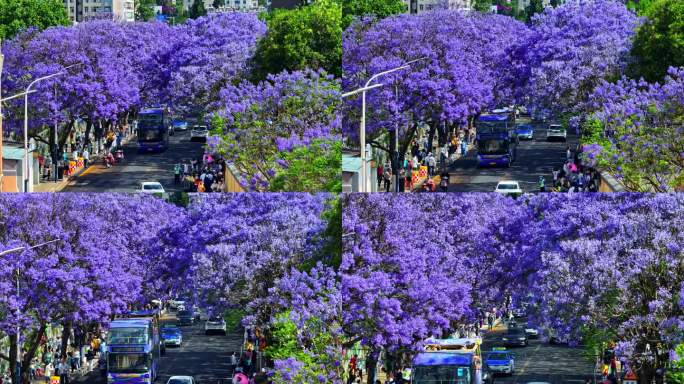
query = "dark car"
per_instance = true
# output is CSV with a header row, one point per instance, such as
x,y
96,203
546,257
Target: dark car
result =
x,y
186,317
515,337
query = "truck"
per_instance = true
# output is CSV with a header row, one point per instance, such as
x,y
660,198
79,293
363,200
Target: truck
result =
x,y
133,351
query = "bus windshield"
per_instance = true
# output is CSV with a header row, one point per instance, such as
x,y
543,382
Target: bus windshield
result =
x,y
128,362
150,134
441,374
492,146
127,336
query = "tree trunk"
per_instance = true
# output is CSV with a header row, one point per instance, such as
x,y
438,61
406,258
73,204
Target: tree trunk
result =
x,y
13,358
443,134
431,134
393,154
66,332
89,127
64,135
371,364
31,353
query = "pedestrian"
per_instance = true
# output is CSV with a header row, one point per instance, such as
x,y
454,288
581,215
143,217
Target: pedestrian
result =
x,y
568,153
240,377
387,177
464,147
63,368
86,157
542,187
490,321
176,173
208,181
432,162
444,181
408,184
380,175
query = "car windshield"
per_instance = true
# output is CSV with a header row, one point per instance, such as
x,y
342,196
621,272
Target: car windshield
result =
x,y
184,314
128,362
200,128
441,374
508,186
216,319
515,333
497,356
151,187
177,380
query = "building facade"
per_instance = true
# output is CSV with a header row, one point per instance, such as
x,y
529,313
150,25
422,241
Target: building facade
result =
x,y
84,10
420,6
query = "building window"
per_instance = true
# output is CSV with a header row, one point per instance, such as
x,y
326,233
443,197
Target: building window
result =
x,y
421,7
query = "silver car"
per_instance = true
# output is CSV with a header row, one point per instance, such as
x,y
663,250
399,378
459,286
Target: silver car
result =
x,y
199,132
556,132
215,325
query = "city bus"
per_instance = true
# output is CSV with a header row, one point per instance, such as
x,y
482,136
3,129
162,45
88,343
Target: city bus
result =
x,y
153,130
497,140
448,361
133,351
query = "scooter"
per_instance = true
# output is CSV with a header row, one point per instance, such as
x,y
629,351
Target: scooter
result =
x,y
119,155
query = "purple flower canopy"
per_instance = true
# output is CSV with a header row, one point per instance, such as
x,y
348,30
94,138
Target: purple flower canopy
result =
x,y
472,62
122,67
121,250
413,266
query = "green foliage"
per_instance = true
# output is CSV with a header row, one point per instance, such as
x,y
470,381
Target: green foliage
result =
x,y
197,9
180,199
659,42
233,318
305,37
535,6
640,6
676,375
317,167
312,352
378,8
482,5
18,15
144,10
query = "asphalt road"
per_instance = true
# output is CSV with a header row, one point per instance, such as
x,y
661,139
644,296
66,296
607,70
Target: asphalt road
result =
x,y
204,357
542,362
139,167
535,157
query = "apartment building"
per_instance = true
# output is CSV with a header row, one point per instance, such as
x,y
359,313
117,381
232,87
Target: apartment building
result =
x,y
420,6
83,10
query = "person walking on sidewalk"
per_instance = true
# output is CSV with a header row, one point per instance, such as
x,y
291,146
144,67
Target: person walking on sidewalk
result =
x,y
63,368
380,174
176,173
86,157
431,163
387,177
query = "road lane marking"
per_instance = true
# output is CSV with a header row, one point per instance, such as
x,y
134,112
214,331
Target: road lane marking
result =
x,y
527,362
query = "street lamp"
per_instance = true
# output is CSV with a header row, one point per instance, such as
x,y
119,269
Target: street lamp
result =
x,y
362,129
28,90
19,249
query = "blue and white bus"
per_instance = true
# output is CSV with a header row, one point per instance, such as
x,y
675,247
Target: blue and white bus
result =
x,y
133,351
497,139
445,368
153,130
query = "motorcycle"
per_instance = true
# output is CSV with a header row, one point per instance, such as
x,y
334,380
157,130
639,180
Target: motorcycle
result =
x,y
119,155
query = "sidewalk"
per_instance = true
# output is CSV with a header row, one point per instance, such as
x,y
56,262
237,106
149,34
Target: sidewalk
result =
x,y
95,161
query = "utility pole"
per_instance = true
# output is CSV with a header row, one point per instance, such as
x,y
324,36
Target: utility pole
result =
x,y
2,174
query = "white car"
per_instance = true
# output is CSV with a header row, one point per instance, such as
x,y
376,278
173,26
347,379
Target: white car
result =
x,y
176,303
199,132
181,380
215,324
508,188
556,132
531,332
151,187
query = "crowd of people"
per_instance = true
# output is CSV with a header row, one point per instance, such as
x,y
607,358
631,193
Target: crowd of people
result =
x,y
204,174
49,362
421,154
573,176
